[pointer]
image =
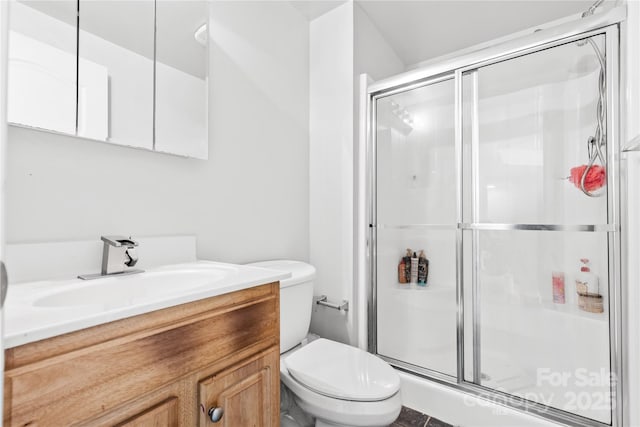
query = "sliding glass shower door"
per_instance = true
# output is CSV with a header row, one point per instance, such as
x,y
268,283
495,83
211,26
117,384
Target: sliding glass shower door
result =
x,y
495,228
530,228
416,213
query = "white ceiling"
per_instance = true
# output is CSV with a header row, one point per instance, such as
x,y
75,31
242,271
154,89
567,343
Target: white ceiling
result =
x,y
420,30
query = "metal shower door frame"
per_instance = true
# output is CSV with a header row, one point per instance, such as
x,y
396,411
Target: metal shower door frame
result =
x,y
454,69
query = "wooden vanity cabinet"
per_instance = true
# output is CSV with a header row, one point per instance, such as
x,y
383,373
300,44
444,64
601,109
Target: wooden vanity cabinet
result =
x,y
164,368
244,392
163,414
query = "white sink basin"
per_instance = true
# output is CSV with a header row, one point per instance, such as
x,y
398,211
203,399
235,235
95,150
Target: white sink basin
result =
x,y
132,289
43,309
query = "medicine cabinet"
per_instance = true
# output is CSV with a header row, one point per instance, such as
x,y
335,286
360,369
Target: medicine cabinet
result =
x,y
132,73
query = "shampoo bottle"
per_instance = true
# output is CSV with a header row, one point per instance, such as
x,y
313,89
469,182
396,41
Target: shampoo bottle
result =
x,y
402,276
407,266
423,269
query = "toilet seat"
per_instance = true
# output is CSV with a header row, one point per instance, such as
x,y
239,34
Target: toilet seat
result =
x,y
342,372
339,411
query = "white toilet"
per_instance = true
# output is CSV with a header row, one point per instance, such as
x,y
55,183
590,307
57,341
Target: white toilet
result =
x,y
336,384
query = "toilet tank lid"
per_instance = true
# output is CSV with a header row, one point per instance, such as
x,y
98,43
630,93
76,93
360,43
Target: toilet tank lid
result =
x,y
300,271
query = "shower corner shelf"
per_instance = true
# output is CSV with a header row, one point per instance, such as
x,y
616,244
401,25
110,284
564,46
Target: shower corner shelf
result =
x,y
412,287
571,309
415,287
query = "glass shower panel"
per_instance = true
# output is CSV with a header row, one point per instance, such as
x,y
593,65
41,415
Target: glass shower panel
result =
x,y
534,117
416,209
535,341
537,249
418,326
416,166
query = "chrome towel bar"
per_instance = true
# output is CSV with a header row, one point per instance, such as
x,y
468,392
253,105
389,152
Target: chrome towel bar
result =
x,y
324,300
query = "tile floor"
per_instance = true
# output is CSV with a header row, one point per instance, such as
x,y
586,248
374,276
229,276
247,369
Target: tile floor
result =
x,y
410,418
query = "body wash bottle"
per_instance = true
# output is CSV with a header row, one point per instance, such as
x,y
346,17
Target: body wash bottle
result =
x,y
587,282
557,283
414,268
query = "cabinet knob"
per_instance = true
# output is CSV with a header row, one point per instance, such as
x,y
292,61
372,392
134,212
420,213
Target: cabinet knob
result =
x,y
215,414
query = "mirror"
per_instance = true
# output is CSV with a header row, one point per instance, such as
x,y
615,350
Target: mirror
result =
x,y
42,65
128,72
181,78
115,71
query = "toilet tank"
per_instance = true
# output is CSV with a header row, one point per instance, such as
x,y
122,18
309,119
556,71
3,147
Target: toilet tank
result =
x,y
296,300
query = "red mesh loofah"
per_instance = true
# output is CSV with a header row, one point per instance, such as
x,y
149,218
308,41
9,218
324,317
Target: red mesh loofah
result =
x,y
596,177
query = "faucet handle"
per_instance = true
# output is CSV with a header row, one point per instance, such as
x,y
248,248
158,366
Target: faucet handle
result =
x,y
118,241
132,257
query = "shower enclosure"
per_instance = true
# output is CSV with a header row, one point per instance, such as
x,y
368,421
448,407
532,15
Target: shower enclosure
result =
x,y
502,166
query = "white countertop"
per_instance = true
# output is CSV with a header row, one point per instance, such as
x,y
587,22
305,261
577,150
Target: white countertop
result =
x,y
44,309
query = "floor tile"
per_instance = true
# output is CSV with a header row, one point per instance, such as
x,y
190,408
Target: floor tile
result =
x,y
434,422
410,418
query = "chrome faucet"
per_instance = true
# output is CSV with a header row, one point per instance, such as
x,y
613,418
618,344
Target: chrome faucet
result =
x,y
118,253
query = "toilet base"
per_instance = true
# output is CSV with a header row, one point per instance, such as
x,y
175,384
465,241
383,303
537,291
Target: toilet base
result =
x,y
321,423
382,414
287,421
292,415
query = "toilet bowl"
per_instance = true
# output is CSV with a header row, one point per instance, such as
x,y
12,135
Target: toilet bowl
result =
x,y
340,385
334,383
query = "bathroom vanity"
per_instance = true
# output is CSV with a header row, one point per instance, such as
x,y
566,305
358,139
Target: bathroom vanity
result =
x,y
167,367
